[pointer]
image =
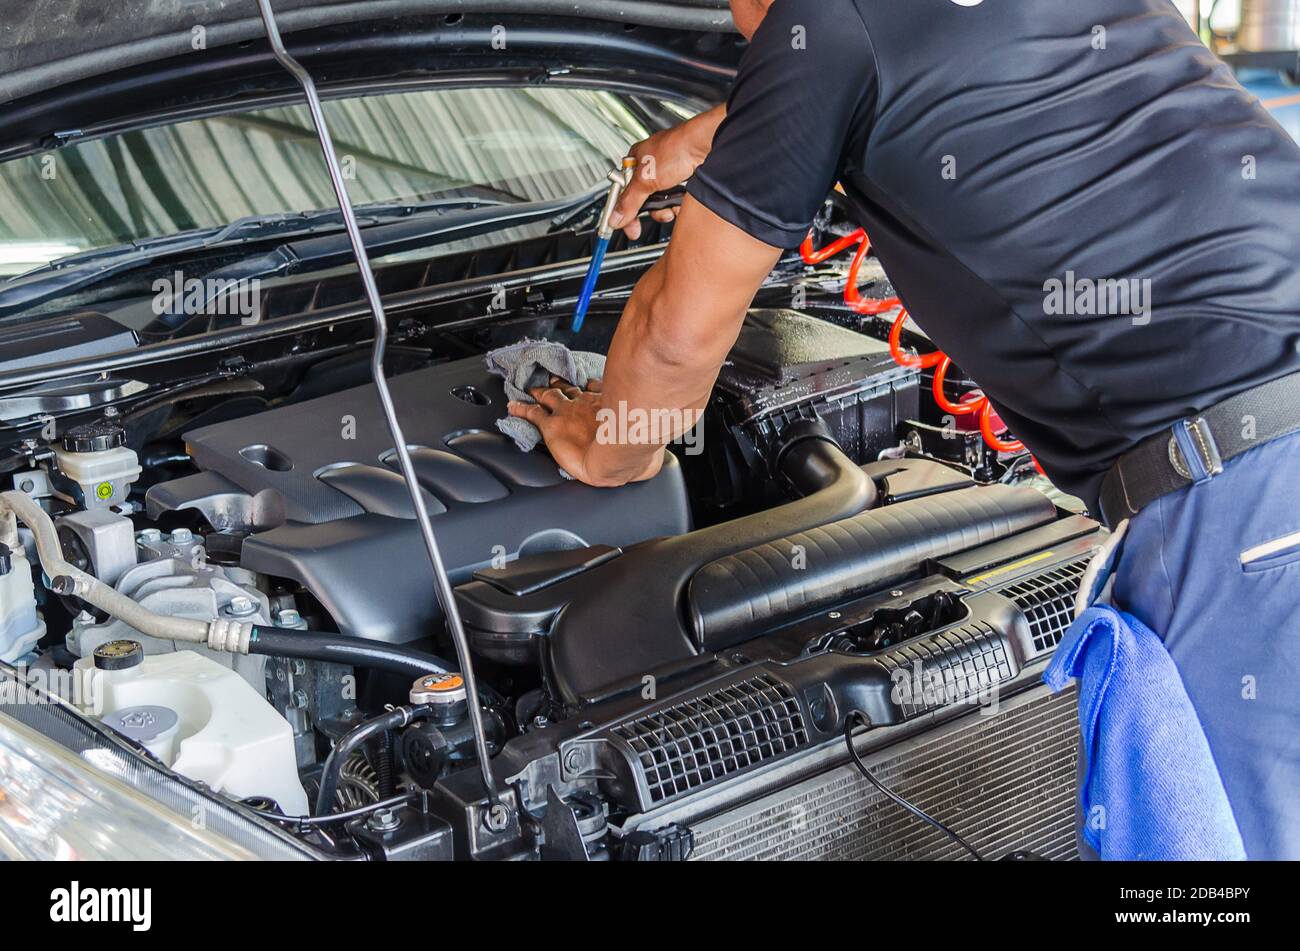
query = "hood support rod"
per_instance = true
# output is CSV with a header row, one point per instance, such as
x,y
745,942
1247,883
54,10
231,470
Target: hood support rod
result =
x,y
499,813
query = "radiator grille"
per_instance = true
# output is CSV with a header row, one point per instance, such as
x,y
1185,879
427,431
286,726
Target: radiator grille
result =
x,y
714,735
1002,782
1047,600
946,668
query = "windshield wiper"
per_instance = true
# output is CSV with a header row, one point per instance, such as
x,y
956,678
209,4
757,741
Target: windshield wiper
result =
x,y
87,268
257,227
314,253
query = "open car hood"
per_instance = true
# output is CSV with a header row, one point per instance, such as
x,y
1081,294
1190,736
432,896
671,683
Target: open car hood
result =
x,y
73,68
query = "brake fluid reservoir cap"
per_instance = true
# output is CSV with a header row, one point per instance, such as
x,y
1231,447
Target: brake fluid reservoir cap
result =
x,y
143,723
439,689
98,436
118,655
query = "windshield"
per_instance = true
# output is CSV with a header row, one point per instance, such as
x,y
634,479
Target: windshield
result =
x,y
498,144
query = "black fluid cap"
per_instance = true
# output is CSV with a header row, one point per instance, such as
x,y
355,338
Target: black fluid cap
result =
x,y
119,655
98,436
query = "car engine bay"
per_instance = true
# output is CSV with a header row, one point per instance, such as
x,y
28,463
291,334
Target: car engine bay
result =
x,y
284,559
652,661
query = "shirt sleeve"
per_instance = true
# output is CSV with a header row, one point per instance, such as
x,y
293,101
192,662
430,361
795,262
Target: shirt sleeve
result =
x,y
805,86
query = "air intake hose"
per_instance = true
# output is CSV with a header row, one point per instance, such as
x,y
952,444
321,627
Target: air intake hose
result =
x,y
649,581
761,586
807,458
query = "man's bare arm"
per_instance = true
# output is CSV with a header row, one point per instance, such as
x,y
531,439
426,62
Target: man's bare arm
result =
x,y
680,322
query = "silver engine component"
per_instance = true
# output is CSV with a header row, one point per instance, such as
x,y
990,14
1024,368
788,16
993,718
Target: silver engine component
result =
x,y
107,538
173,578
170,575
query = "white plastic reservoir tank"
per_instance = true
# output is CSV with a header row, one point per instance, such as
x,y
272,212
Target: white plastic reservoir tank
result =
x,y
200,718
20,623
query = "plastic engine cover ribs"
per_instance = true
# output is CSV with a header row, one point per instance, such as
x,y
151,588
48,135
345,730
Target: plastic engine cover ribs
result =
x,y
316,485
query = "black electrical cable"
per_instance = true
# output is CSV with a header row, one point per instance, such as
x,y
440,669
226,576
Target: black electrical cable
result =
x,y
857,716
398,800
353,740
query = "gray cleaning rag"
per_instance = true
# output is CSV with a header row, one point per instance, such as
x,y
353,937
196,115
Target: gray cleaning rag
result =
x,y
531,363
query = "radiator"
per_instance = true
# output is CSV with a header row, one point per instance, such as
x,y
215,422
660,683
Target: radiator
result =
x,y
1003,782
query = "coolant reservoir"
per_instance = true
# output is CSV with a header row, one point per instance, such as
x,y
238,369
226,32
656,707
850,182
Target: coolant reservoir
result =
x,y
200,718
20,624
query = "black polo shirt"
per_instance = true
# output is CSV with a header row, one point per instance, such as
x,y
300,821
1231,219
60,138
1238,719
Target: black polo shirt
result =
x,y
1076,200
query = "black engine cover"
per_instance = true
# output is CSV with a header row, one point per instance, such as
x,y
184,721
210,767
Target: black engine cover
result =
x,y
346,528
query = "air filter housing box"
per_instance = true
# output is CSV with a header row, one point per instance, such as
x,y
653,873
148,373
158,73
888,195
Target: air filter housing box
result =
x,y
787,365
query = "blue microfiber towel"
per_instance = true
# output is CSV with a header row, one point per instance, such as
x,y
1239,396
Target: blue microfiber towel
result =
x,y
1152,790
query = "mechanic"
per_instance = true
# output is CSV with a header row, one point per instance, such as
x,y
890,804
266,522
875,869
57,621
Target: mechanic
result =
x,y
1003,157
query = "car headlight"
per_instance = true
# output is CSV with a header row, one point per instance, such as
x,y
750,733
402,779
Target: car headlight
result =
x,y
70,789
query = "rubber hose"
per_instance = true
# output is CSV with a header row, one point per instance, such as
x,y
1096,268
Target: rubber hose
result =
x,y
348,651
808,455
66,578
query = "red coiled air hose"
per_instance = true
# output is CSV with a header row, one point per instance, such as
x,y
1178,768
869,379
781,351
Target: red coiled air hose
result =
x,y
941,398
835,247
938,360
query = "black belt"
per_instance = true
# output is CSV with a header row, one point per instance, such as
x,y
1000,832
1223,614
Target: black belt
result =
x,y
1194,450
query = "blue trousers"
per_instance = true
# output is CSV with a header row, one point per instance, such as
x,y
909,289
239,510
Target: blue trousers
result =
x,y
1215,570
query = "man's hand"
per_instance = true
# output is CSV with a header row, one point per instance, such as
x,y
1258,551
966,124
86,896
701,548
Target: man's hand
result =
x,y
567,418
682,318
664,161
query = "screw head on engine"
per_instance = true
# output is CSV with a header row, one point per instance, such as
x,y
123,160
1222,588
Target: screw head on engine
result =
x,y
241,605
290,618
383,820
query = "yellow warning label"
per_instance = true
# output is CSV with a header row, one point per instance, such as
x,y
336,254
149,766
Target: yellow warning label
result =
x,y
104,490
1041,556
